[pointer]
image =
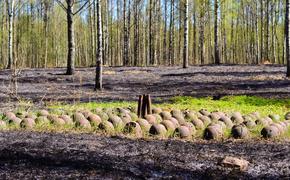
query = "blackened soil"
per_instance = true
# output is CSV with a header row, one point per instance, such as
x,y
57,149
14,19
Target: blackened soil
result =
x,y
126,83
32,155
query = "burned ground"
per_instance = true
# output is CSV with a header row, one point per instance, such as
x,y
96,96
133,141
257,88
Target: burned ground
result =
x,y
126,83
37,155
26,155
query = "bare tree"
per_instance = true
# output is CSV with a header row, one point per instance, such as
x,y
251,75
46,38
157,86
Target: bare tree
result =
x,y
99,82
70,13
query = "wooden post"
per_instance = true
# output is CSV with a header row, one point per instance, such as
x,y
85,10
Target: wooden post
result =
x,y
144,106
149,104
140,101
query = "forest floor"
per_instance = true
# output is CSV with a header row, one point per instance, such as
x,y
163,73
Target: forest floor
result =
x,y
27,155
33,155
126,83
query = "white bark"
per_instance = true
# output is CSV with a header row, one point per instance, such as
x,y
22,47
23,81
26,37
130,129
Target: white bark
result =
x,y
99,78
10,13
185,48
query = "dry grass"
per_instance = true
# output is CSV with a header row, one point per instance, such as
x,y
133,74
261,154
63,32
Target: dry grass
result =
x,y
270,77
109,72
135,72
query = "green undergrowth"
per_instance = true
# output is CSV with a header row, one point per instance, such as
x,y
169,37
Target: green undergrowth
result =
x,y
228,104
243,104
91,105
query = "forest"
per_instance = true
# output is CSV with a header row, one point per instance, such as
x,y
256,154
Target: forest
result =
x,y
144,89
144,32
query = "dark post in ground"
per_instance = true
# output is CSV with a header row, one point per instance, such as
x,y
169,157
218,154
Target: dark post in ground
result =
x,y
144,105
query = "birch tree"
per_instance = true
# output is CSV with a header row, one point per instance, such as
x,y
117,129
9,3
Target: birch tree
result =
x,y
216,32
126,28
10,12
99,78
185,47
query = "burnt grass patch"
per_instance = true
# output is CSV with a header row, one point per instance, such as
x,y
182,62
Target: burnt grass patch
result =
x,y
40,155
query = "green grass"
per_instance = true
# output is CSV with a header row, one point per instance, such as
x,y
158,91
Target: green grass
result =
x,y
243,104
228,104
90,105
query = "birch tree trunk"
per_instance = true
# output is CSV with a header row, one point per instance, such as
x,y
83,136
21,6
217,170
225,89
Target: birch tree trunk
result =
x,y
194,52
165,34
216,45
267,31
92,31
126,38
262,32
201,35
99,78
136,32
46,9
151,35
10,13
258,53
171,35
2,61
185,47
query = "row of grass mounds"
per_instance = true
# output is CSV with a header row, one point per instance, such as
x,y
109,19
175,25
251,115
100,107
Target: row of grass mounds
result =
x,y
162,123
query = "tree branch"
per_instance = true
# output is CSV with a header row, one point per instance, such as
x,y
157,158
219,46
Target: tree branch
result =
x,y
81,8
61,5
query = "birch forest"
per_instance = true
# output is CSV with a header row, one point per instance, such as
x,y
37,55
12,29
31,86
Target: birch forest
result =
x,y
141,32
